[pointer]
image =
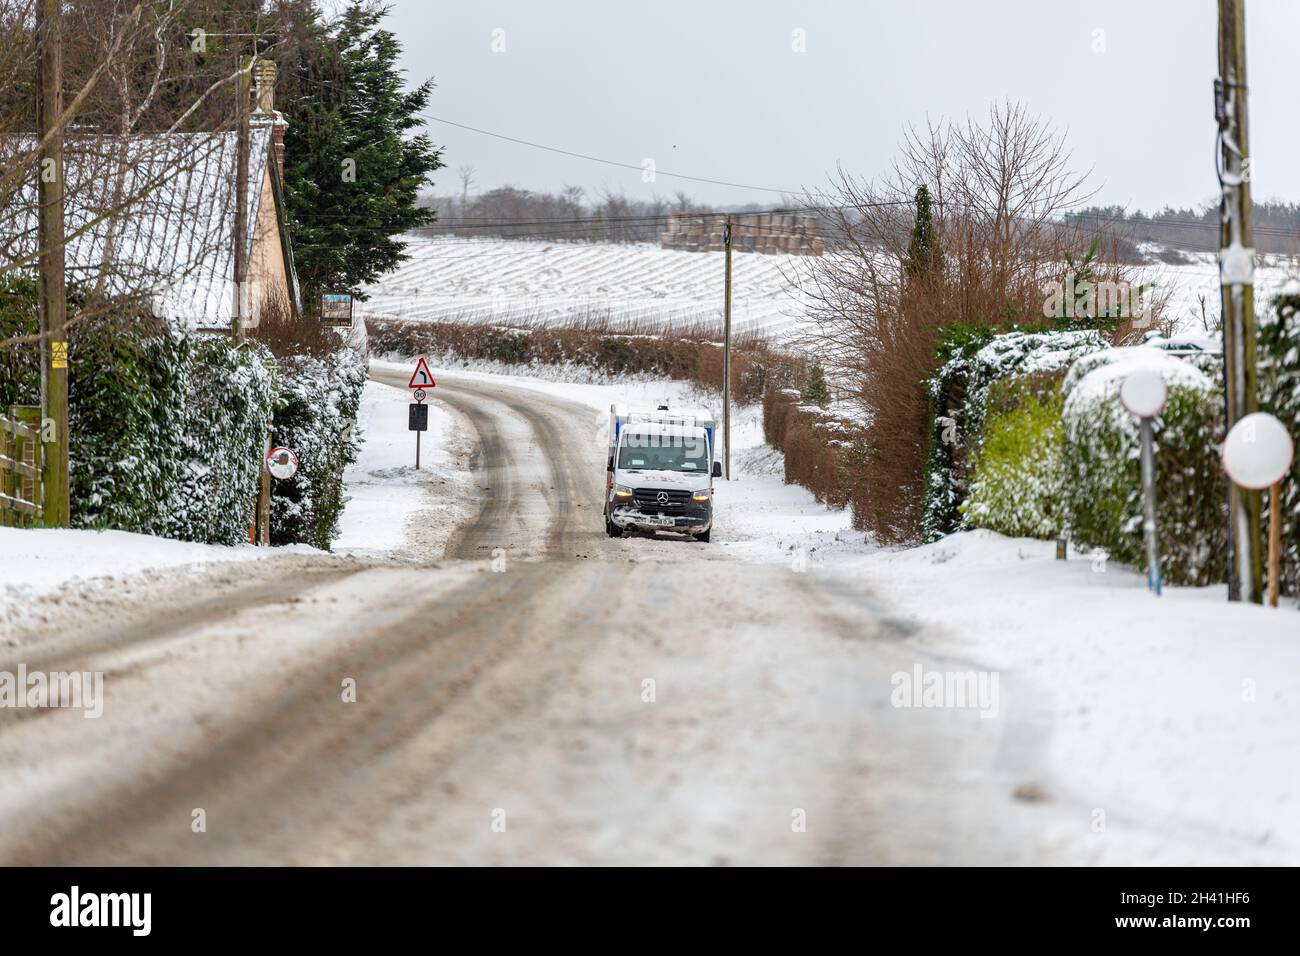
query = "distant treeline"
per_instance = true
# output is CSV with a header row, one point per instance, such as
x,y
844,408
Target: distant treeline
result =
x,y
569,214
1276,227
509,212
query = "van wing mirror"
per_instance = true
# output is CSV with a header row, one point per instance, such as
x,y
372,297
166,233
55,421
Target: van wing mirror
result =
x,y
717,469
610,466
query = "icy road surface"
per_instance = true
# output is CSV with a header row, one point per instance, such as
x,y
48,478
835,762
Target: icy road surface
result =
x,y
543,695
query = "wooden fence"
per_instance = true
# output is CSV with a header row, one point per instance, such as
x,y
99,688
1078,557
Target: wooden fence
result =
x,y
20,467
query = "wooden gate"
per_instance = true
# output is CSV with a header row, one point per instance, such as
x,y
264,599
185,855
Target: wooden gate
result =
x,y
20,467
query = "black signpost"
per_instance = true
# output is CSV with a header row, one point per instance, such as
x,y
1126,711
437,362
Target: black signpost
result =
x,y
418,422
419,418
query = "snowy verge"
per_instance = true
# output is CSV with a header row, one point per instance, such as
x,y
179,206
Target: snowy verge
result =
x,y
42,561
395,509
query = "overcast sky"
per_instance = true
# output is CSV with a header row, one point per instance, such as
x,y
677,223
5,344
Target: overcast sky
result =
x,y
716,88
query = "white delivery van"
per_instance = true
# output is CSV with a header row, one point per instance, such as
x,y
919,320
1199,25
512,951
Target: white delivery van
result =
x,y
660,468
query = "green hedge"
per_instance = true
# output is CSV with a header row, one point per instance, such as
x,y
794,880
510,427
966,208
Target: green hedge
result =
x,y
227,413
1102,478
315,415
167,431
1016,482
1279,351
972,359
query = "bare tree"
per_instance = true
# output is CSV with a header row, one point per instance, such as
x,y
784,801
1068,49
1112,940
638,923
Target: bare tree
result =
x,y
1000,190
132,164
466,176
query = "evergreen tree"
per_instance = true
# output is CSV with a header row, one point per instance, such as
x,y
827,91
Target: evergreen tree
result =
x,y
817,392
924,256
354,161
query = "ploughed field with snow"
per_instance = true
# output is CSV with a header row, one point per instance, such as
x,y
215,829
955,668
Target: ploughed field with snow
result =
x,y
516,281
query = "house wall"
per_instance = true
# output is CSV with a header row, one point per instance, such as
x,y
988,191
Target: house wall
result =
x,y
268,274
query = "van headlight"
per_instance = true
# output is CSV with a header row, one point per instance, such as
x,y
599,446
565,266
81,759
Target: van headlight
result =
x,y
622,491
701,496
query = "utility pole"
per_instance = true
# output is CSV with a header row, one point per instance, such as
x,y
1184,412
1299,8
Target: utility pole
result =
x,y
50,241
1236,277
726,354
242,92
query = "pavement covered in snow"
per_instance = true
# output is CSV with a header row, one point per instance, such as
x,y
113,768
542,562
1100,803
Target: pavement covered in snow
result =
x,y
1160,730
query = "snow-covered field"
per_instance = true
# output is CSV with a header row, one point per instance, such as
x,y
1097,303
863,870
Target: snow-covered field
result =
x,y
517,280
1195,284
507,280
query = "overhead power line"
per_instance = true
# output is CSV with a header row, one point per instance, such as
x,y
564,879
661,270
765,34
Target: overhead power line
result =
x,y
610,162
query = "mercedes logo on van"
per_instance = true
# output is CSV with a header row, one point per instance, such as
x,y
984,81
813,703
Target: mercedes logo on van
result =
x,y
662,497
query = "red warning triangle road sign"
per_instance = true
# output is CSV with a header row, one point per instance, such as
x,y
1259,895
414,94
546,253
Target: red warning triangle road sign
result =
x,y
421,377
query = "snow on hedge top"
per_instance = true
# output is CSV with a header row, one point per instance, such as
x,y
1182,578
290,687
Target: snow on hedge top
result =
x,y
158,210
1097,377
1027,352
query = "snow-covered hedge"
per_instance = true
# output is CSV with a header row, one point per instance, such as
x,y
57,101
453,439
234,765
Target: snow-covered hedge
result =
x,y
684,355
227,412
315,415
822,451
126,411
166,431
1102,480
1279,351
973,360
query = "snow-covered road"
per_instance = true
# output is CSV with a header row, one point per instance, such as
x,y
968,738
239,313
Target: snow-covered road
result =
x,y
546,695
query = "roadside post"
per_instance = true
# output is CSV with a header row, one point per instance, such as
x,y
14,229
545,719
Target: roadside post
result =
x,y
281,464
726,353
1257,454
418,421
1144,395
418,412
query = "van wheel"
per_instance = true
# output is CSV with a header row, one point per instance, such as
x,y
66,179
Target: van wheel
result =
x,y
613,530
704,537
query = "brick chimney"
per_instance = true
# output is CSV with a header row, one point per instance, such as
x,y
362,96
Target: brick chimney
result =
x,y
264,74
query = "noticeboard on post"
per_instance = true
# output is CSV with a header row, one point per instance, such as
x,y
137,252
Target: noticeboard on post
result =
x,y
336,309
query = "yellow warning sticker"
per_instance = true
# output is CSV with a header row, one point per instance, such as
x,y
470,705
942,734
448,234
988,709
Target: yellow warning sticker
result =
x,y
58,355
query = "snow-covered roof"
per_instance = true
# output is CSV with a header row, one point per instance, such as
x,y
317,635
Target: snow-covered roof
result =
x,y
158,210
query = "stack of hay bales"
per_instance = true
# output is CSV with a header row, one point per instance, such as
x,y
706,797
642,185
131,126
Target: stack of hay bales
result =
x,y
768,233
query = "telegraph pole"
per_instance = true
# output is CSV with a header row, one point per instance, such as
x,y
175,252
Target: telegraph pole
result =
x,y
50,241
726,354
1236,276
242,139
